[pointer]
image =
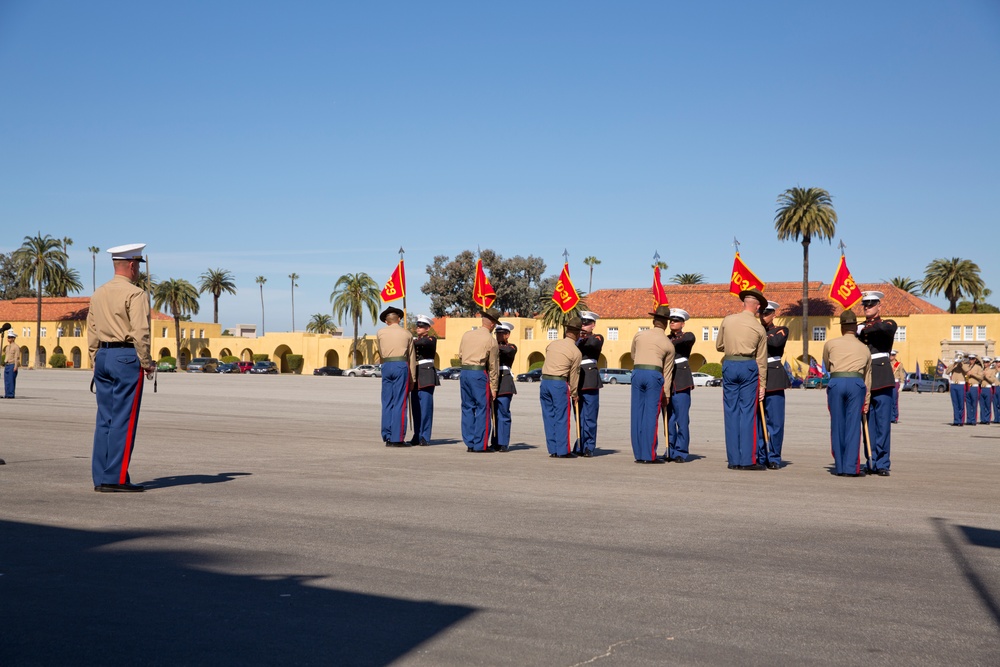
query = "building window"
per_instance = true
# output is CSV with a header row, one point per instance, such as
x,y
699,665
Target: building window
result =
x,y
60,332
704,333
553,334
164,334
184,332
612,333
201,333
25,332
77,331
900,334
819,333
43,332
529,333
981,332
643,328
715,333
968,332
956,333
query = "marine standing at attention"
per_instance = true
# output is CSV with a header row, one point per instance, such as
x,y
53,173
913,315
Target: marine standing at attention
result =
x,y
743,342
506,353
558,390
899,375
679,407
956,371
996,390
422,401
774,392
118,341
878,335
590,346
11,362
399,364
652,376
973,378
986,392
849,363
479,354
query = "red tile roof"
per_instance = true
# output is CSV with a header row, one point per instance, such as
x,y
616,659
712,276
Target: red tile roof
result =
x,y
54,309
708,301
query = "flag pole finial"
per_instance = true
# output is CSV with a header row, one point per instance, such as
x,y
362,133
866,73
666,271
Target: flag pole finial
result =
x,y
566,255
656,256
841,245
736,244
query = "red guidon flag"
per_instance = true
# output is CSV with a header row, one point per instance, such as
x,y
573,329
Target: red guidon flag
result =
x,y
482,292
659,296
396,287
743,278
565,294
843,289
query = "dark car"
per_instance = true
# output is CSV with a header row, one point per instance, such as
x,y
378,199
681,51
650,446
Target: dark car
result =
x,y
203,365
244,366
450,373
229,368
531,376
328,370
925,383
264,367
715,382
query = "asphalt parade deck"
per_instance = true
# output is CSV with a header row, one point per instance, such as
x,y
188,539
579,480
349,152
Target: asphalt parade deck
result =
x,y
277,529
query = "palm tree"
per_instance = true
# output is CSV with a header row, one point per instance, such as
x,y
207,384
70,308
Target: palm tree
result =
x,y
802,214
215,282
591,262
320,323
37,258
66,243
353,295
659,264
93,255
906,284
62,281
179,297
260,280
954,277
552,315
293,277
688,279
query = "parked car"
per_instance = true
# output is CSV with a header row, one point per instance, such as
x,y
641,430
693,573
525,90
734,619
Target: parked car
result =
x,y
328,370
264,367
203,365
450,373
377,373
616,376
816,382
925,383
229,368
244,366
717,382
364,370
530,376
701,379
166,367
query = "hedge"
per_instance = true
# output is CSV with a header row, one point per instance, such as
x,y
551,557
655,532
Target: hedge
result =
x,y
229,360
294,362
57,361
715,370
261,357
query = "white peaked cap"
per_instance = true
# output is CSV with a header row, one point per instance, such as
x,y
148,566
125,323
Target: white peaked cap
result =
x,y
128,251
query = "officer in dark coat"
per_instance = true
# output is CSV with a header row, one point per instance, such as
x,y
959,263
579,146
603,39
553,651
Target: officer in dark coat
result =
x,y
506,354
774,391
679,406
422,403
878,335
590,345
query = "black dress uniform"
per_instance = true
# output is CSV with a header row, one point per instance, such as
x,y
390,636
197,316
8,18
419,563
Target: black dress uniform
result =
x,y
425,348
505,393
878,335
679,407
774,398
589,390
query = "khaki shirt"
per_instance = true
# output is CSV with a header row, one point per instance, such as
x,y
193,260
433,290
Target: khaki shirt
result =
x,y
899,372
957,372
652,348
847,354
479,348
12,355
119,313
563,357
974,374
742,334
989,377
395,341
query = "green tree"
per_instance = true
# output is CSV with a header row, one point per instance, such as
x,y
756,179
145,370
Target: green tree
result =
x,y
62,281
66,243
215,282
93,257
180,298
591,262
320,323
12,285
552,315
906,284
515,280
353,295
39,258
662,265
688,279
293,277
804,213
954,278
260,280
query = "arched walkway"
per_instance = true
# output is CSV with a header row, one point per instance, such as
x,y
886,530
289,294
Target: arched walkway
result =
x,y
602,362
24,357
185,358
225,353
205,352
535,360
625,361
42,356
165,352
76,357
696,361
280,357
246,354
332,358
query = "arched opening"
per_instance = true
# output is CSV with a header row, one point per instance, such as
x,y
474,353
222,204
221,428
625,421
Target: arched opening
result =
x,y
225,353
42,356
332,358
535,360
24,357
204,352
280,357
76,356
165,352
602,362
626,361
58,350
185,358
696,361
246,354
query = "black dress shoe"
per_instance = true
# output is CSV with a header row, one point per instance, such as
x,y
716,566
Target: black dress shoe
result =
x,y
119,488
566,456
504,448
732,467
882,473
587,455
650,462
397,444
773,466
755,466
850,474
2,462
678,459
424,443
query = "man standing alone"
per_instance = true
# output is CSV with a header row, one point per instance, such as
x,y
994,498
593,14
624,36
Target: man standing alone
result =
x,y
395,348
11,361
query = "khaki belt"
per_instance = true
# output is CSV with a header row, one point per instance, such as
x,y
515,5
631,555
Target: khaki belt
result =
x,y
738,357
647,367
391,359
848,374
470,367
554,377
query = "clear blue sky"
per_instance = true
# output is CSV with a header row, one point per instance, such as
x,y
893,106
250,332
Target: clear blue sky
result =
x,y
319,137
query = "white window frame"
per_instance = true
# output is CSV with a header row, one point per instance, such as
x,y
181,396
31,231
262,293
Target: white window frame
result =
x,y
529,333
43,332
643,328
25,332
612,333
956,332
164,335
819,334
967,332
704,333
552,334
715,333
77,331
980,332
900,334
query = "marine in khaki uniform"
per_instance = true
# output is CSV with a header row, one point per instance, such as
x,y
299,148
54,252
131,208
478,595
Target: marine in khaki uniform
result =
x,y
399,369
986,392
558,392
11,362
956,373
996,389
849,363
899,375
973,378
652,375
743,341
118,340
479,381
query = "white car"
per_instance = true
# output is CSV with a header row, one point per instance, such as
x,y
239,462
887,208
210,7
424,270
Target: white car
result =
x,y
701,379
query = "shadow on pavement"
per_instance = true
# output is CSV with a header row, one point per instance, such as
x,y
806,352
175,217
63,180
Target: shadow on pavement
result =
x,y
977,537
74,597
181,480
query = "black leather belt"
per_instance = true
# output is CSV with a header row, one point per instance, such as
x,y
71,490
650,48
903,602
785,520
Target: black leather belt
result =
x,y
117,344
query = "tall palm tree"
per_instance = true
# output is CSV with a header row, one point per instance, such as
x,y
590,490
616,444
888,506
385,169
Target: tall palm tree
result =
x,y
552,315
93,256
352,296
62,281
804,213
179,297
954,277
293,277
37,258
906,284
320,323
215,282
591,262
659,264
260,280
66,243
688,279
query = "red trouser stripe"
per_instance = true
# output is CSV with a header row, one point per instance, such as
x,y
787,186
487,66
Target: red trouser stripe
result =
x,y
130,437
488,404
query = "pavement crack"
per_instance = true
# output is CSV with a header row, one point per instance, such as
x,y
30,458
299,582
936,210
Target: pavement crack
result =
x,y
611,649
